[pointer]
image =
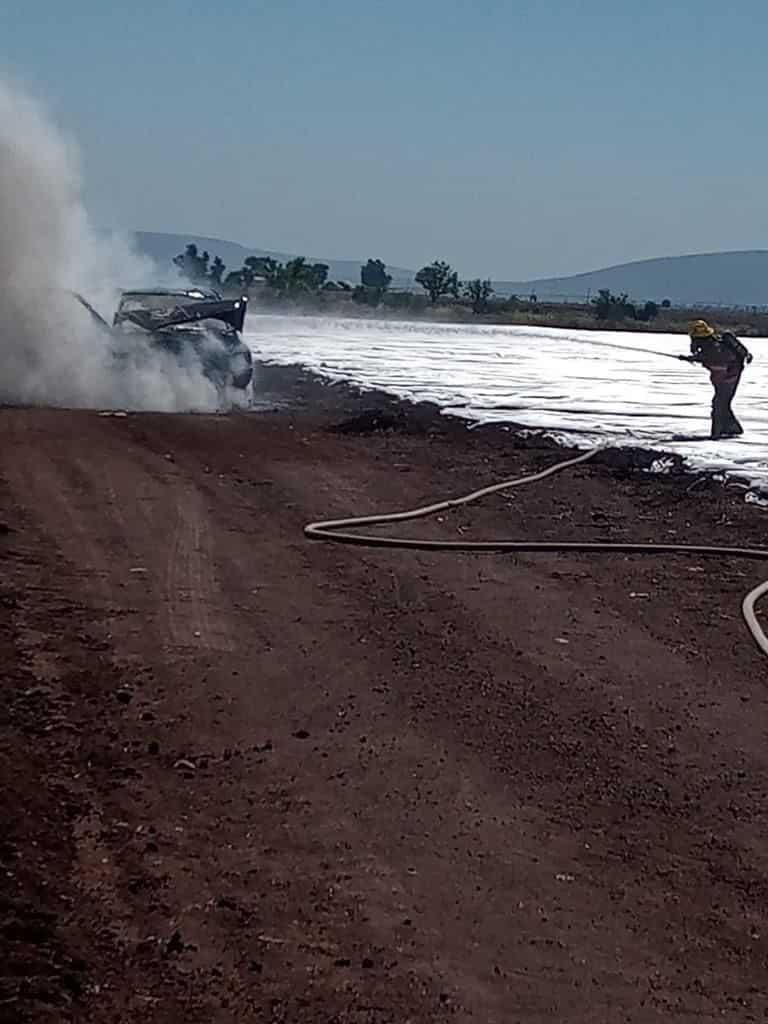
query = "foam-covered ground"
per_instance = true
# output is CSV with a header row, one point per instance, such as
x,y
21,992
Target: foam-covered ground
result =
x,y
585,385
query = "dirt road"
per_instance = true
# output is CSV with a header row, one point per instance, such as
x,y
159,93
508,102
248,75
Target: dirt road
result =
x,y
249,778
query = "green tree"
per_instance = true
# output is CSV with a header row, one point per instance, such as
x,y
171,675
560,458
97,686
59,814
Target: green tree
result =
x,y
186,262
374,275
254,267
296,277
258,266
613,307
216,272
274,274
291,279
192,265
478,292
315,276
438,279
649,311
374,282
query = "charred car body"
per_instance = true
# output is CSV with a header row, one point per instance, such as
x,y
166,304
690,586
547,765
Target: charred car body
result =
x,y
195,322
191,325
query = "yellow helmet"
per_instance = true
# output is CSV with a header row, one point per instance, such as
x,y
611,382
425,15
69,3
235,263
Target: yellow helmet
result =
x,y
701,329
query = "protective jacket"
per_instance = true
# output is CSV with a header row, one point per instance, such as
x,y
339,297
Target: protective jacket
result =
x,y
722,354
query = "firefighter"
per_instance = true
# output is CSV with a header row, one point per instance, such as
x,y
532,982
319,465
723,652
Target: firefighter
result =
x,y
724,356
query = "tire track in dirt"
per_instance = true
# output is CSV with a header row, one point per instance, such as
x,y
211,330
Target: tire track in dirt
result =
x,y
191,590
110,516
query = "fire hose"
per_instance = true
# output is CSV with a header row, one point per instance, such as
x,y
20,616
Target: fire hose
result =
x,y
339,531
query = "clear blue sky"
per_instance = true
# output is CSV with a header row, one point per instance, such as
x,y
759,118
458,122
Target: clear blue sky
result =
x,y
514,139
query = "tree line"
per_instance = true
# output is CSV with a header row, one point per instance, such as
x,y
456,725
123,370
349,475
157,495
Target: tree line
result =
x,y
297,278
608,306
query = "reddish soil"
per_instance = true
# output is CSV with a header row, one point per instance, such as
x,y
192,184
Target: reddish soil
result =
x,y
246,777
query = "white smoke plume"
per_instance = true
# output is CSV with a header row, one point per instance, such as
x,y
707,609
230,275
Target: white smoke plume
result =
x,y
51,350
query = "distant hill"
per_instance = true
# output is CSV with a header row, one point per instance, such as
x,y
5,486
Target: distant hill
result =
x,y
162,248
719,278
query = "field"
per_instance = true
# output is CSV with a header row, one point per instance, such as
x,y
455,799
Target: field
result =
x,y
572,315
251,778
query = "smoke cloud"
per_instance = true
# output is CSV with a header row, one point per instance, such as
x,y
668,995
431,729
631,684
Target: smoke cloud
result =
x,y
51,350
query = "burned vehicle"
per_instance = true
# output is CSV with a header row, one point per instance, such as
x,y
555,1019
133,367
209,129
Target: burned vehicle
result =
x,y
192,325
